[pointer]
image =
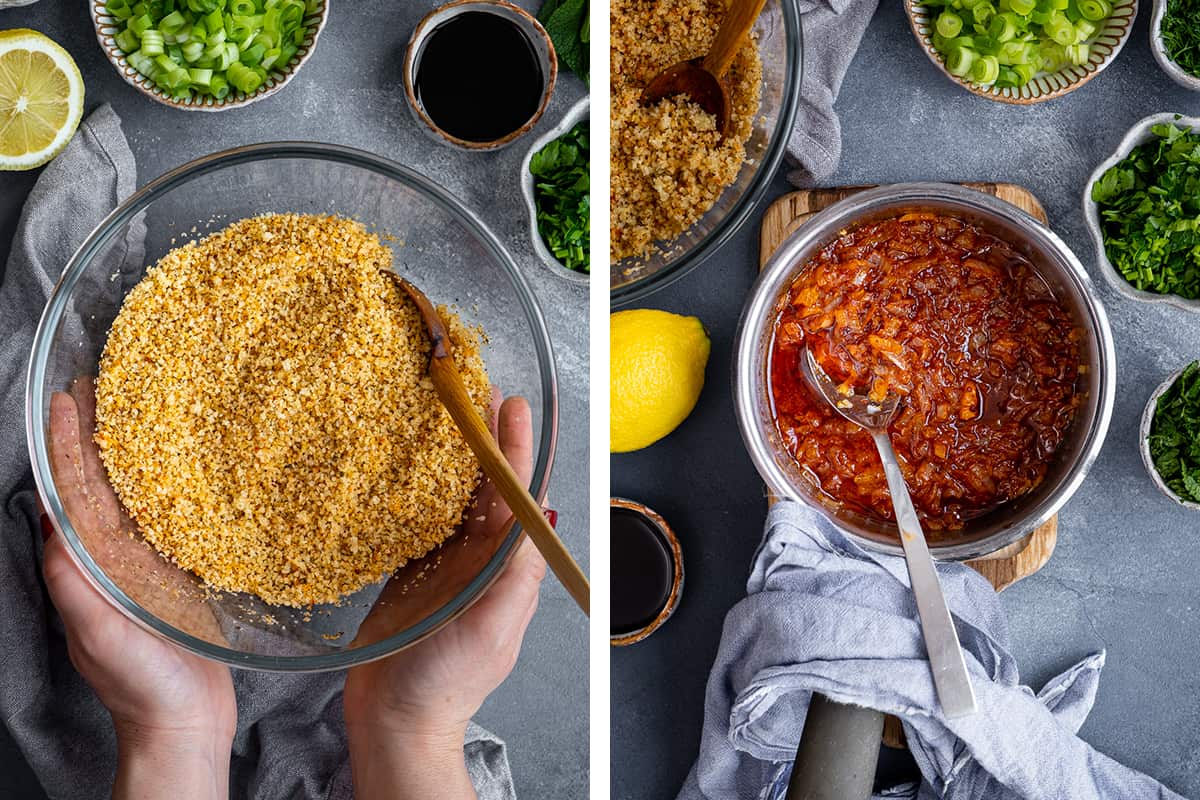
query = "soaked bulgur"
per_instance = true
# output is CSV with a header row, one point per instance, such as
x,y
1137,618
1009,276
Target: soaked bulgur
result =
x,y
264,414
668,162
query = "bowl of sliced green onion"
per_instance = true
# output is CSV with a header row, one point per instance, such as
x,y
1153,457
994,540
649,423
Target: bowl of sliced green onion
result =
x,y
208,55
1021,51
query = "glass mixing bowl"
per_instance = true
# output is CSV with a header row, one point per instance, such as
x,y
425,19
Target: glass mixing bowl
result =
x,y
439,245
777,31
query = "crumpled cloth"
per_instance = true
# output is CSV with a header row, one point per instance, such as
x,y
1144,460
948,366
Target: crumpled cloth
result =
x,y
290,740
823,614
832,30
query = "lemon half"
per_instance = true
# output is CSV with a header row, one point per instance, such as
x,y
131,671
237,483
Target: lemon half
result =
x,y
41,99
656,372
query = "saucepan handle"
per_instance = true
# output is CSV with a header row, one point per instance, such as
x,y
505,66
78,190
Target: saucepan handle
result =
x,y
838,752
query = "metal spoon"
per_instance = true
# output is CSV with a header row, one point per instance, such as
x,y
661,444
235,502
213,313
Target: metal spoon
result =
x,y
941,640
700,78
453,393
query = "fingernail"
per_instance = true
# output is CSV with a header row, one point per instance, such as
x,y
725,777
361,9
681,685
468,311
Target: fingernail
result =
x,y
48,529
551,516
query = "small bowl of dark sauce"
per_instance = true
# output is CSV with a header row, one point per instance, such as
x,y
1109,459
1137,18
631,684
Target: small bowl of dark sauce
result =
x,y
646,566
479,73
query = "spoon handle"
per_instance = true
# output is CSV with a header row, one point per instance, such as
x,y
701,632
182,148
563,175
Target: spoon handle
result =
x,y
941,640
739,18
496,467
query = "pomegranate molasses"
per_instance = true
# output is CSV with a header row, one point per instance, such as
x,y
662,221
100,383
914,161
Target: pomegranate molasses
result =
x,y
643,570
478,77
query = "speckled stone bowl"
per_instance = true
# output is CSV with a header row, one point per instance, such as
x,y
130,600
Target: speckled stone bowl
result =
x,y
1144,441
1045,86
1138,134
1185,79
107,27
576,114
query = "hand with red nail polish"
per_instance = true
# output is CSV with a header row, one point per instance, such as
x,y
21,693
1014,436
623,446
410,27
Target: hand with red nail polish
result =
x,y
407,715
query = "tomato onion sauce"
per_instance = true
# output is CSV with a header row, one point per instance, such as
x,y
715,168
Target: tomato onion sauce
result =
x,y
955,321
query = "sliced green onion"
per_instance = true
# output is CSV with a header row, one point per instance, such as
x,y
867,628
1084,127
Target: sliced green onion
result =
x,y
126,40
119,9
1060,29
1084,30
152,43
959,62
949,24
218,87
243,78
192,51
252,55
1003,27
200,77
1078,54
1094,10
173,23
985,70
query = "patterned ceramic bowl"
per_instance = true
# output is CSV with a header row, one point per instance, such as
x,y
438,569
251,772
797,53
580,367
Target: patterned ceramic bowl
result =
x,y
1046,85
1139,134
107,27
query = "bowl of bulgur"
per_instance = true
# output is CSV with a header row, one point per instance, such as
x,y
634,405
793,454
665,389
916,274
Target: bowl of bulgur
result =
x,y
258,467
678,189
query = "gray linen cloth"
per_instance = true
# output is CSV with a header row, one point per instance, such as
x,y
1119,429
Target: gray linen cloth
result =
x,y
290,740
824,615
832,30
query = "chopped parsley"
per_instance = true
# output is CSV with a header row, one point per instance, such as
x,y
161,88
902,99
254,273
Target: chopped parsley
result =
x,y
1181,34
560,172
1174,438
1150,213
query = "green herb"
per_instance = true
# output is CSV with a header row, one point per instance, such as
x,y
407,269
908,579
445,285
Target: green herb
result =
x,y
190,48
560,171
567,23
1175,434
1181,34
1150,213
1010,44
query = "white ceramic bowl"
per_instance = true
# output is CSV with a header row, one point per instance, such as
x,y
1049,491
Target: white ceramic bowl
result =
x,y
543,48
1137,135
578,112
107,27
1185,79
1105,46
1144,443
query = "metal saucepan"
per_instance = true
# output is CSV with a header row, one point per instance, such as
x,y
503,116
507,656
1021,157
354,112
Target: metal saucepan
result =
x,y
857,730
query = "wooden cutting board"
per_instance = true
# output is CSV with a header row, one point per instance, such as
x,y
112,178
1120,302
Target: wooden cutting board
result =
x,y
1020,559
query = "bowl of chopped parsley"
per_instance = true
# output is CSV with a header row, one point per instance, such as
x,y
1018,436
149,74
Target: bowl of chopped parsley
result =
x,y
1175,40
1142,207
1170,436
555,181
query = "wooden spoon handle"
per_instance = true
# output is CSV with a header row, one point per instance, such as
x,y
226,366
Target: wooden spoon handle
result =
x,y
527,511
739,18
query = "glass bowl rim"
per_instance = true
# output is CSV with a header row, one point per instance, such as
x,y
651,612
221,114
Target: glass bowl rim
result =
x,y
769,166
101,235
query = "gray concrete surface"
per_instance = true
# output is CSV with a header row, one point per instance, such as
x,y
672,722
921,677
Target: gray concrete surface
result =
x,y
350,92
1124,576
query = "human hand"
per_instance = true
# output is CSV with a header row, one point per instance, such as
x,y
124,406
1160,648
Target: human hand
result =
x,y
174,712
406,715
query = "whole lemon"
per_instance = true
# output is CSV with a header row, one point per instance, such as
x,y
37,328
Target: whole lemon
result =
x,y
657,362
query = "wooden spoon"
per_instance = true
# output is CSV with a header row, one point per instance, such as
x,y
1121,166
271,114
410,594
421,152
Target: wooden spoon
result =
x,y
700,78
454,396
